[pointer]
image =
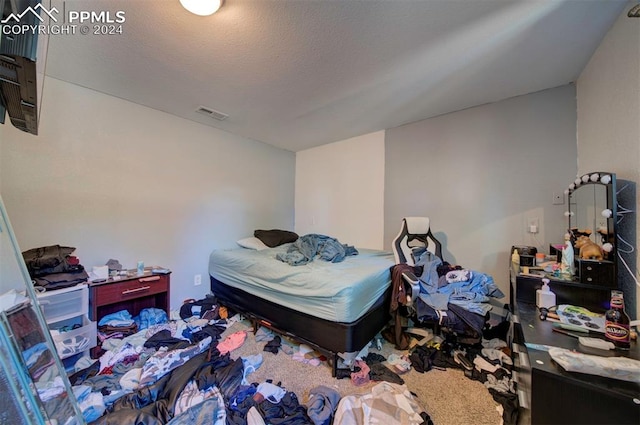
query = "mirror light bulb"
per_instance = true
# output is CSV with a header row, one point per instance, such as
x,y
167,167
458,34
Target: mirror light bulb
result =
x,y
607,247
577,182
567,214
585,178
606,179
566,191
607,213
594,177
572,186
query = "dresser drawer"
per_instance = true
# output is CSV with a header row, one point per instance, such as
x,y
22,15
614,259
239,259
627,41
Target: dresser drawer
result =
x,y
597,272
130,289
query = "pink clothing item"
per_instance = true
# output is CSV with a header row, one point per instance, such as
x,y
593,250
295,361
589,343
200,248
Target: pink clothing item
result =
x,y
361,377
300,357
232,342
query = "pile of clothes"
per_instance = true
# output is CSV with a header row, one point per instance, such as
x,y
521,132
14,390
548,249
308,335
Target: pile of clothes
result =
x,y
488,362
53,267
121,324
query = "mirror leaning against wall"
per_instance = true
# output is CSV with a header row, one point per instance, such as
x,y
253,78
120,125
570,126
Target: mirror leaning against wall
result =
x,y
33,382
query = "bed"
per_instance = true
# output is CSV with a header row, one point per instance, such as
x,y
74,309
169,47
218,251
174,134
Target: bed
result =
x,y
334,307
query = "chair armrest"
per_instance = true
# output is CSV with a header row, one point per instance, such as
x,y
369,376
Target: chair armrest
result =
x,y
412,286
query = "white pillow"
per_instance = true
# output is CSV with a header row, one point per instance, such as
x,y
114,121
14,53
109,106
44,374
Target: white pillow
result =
x,y
252,243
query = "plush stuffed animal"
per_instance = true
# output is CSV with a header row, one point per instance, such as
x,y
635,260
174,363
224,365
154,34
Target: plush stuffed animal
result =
x,y
588,248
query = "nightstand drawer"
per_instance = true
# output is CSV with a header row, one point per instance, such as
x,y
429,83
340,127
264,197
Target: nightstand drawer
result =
x,y
131,289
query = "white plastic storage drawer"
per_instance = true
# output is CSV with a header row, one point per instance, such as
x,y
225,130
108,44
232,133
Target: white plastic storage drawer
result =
x,y
64,303
73,341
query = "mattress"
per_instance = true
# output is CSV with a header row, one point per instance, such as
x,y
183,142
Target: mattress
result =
x,y
338,292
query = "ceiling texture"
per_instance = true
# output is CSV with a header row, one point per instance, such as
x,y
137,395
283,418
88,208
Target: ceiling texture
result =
x,y
301,73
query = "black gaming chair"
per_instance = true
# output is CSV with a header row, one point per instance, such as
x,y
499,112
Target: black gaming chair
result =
x,y
414,238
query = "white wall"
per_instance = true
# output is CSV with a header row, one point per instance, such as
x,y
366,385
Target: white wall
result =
x,y
482,174
10,272
609,123
119,180
339,190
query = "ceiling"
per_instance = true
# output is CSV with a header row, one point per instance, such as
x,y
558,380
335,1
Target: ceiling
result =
x,y
301,73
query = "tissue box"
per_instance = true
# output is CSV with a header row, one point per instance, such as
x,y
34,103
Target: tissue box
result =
x,y
100,273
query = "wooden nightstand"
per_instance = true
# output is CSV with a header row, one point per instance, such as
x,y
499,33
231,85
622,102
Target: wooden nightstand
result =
x,y
133,293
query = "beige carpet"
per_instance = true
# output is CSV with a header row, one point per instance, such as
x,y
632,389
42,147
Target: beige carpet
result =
x,y
447,396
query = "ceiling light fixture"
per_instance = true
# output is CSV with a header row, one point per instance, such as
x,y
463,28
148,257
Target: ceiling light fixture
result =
x,y
202,7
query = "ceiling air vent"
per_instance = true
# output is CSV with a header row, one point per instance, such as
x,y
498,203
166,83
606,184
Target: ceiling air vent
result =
x,y
212,113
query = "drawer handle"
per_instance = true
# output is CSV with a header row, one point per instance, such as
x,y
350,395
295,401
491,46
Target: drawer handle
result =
x,y
589,268
131,291
149,279
589,279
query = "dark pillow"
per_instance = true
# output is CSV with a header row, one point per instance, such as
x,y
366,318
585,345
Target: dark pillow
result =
x,y
275,237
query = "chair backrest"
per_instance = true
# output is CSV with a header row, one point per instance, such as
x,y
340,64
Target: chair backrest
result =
x,y
414,229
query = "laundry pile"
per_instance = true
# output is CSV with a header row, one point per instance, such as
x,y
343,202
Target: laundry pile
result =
x,y
53,267
489,362
181,371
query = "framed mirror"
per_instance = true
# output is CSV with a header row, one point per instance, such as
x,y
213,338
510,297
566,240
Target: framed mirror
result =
x,y
592,217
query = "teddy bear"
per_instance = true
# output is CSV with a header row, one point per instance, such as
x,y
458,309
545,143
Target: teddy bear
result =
x,y
588,248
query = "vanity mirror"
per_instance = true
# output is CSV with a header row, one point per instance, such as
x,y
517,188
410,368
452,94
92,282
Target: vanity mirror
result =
x,y
592,225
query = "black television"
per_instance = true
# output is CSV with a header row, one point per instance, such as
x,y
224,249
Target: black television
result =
x,y
20,64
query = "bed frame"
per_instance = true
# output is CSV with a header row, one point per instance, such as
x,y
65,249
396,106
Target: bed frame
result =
x,y
329,338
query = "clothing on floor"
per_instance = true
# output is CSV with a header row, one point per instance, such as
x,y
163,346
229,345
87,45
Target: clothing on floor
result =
x,y
386,403
274,345
322,403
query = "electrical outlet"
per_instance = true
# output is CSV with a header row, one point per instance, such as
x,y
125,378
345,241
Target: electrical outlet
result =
x,y
558,198
197,280
533,225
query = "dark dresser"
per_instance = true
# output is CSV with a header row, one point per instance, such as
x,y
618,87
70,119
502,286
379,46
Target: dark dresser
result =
x,y
550,395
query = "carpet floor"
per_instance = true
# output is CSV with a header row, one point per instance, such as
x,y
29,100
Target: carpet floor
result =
x,y
446,395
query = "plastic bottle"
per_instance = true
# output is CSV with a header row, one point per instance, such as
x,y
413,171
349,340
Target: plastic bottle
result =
x,y
568,256
617,323
515,262
545,298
